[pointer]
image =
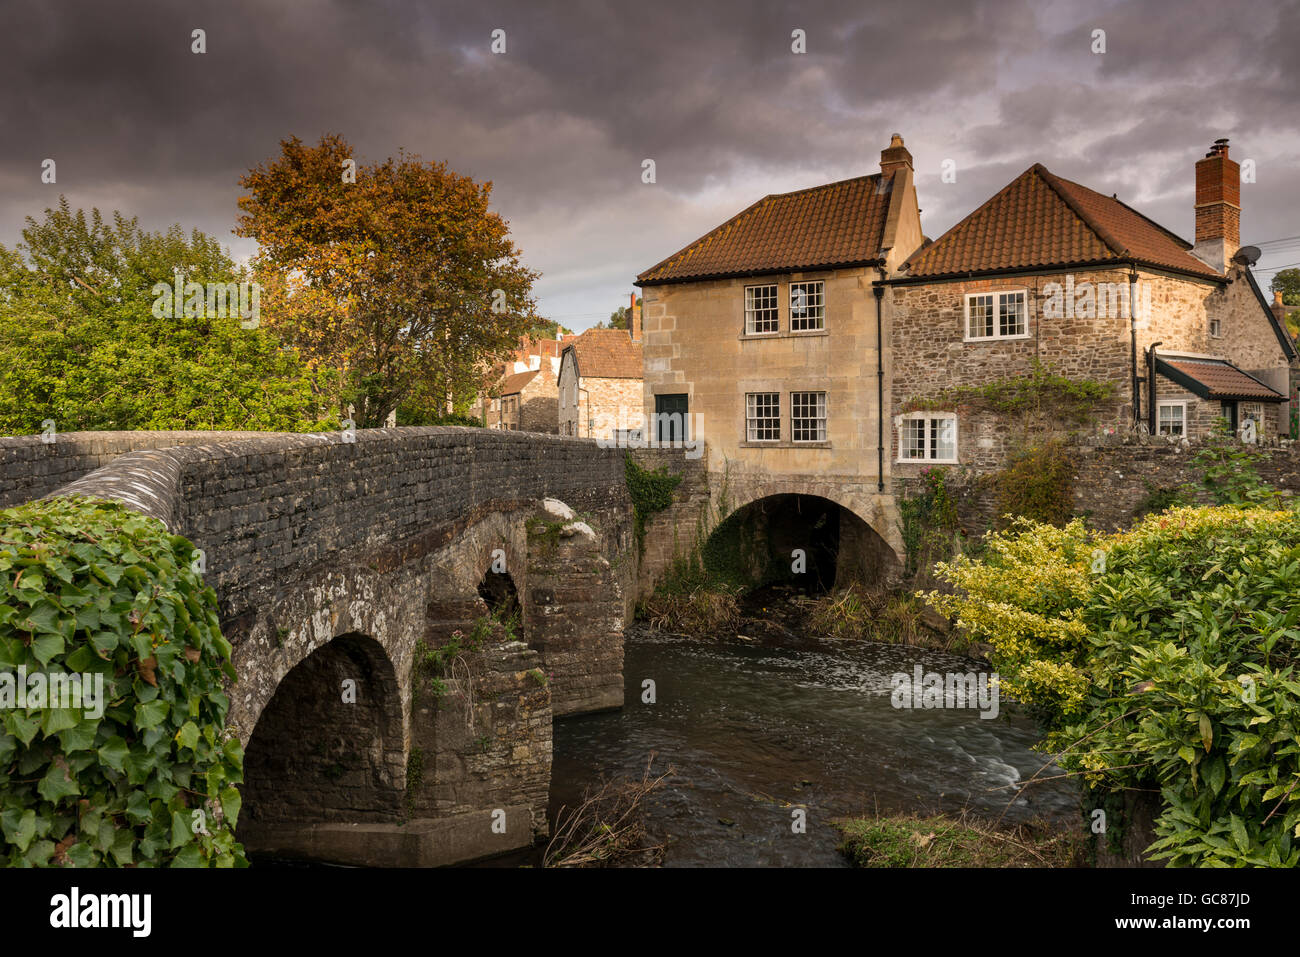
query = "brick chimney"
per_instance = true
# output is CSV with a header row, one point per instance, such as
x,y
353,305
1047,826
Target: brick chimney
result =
x,y
1218,207
634,319
894,157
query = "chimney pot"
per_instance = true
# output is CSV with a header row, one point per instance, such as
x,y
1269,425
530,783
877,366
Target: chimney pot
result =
x,y
894,157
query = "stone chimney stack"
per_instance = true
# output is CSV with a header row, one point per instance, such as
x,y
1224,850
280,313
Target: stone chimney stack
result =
x,y
894,157
634,319
1218,207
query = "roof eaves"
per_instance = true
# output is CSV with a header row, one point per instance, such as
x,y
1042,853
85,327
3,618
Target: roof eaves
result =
x,y
1283,338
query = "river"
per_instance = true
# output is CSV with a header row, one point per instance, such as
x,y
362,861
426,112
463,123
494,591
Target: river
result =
x,y
753,733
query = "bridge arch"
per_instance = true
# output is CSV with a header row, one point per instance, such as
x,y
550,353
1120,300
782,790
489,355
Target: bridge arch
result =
x,y
328,746
846,536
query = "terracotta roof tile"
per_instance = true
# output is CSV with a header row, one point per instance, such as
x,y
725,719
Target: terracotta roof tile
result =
x,y
1215,378
607,354
515,383
832,225
1040,220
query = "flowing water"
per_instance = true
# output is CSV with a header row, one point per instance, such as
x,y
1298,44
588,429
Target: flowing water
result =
x,y
754,733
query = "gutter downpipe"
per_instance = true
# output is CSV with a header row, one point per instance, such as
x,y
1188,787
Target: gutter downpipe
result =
x,y
1133,343
879,290
1151,389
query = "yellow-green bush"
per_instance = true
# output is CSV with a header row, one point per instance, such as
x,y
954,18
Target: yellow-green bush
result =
x,y
1162,657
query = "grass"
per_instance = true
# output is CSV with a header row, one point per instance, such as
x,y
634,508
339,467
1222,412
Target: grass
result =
x,y
939,840
700,611
857,613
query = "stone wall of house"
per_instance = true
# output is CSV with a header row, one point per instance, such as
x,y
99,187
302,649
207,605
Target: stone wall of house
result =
x,y
930,354
606,406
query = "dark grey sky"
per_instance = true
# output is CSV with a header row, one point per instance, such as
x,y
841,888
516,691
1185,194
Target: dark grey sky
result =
x,y
710,90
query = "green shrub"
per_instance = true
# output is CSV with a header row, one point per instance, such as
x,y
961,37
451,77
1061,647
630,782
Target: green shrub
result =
x,y
1163,658
93,589
1038,483
651,490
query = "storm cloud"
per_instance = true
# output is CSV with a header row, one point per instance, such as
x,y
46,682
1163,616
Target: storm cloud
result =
x,y
561,121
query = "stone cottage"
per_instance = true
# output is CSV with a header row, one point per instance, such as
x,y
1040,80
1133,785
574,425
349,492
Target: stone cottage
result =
x,y
600,382
1052,275
525,395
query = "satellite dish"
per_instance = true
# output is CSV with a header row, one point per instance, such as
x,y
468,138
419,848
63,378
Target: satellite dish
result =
x,y
1247,255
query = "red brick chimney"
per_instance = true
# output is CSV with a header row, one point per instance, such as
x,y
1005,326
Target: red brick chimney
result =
x,y
634,319
1218,207
894,157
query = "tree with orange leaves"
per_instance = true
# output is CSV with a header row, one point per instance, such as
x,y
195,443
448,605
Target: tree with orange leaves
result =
x,y
396,273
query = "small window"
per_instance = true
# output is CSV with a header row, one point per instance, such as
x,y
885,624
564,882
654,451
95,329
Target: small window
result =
x,y
760,310
1216,327
1252,412
996,315
763,416
1171,418
807,306
808,416
928,438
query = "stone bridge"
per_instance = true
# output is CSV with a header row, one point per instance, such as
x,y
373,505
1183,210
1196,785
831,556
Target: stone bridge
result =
x,y
340,568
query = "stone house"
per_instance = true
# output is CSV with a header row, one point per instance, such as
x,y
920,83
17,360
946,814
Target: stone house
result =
x,y
1050,273
526,391
600,382
819,342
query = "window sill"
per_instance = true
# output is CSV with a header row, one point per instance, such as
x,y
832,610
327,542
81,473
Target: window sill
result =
x,y
785,445
813,333
926,462
986,339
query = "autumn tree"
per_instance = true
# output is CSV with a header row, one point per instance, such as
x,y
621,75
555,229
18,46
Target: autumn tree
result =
x,y
397,272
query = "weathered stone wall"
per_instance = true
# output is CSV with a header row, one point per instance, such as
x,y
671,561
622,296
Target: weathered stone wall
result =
x,y
1114,479
606,406
930,355
673,531
30,468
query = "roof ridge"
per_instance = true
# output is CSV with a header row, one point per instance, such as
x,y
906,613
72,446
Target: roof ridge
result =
x,y
1055,182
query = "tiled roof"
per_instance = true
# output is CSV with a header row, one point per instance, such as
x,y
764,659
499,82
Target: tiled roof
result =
x,y
515,383
833,225
607,354
1214,379
1041,220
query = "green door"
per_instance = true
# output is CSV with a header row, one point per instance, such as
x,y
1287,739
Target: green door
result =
x,y
671,418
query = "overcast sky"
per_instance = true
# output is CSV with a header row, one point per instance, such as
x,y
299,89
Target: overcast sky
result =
x,y
561,122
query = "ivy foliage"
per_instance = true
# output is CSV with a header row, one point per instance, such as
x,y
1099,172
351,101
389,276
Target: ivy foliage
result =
x,y
1038,483
651,491
90,588
1162,657
1042,394
928,518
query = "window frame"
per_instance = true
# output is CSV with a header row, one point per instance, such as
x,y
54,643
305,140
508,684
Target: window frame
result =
x,y
751,421
1170,404
1215,327
996,317
750,313
929,439
820,305
824,419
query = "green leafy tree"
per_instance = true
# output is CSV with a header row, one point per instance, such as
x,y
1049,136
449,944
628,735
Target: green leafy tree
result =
x,y
81,343
1287,282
